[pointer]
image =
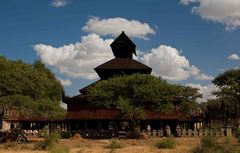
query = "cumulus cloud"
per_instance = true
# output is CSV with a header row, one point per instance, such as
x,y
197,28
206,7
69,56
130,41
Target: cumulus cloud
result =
x,y
112,26
168,63
79,59
234,57
226,12
60,3
205,90
66,82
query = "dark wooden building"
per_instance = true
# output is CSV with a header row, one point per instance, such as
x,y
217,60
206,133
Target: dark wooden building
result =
x,y
15,118
83,116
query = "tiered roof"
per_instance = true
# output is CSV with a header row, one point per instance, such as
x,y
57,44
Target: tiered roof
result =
x,y
123,63
123,49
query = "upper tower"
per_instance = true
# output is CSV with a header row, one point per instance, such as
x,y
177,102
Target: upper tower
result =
x,y
123,47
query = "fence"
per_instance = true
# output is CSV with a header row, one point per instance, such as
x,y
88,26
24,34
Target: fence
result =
x,y
227,131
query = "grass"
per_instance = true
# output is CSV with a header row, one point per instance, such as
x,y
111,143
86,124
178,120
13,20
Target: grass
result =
x,y
183,145
9,145
114,145
166,143
58,148
210,144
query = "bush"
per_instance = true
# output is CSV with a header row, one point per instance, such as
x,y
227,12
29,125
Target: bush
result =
x,y
50,140
211,144
114,145
236,133
66,135
14,135
59,149
43,132
167,143
208,144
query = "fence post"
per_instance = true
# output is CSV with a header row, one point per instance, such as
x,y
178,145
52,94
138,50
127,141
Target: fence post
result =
x,y
178,130
228,130
184,132
189,132
195,132
168,130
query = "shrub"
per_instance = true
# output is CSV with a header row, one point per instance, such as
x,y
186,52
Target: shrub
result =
x,y
57,148
208,144
209,141
167,143
66,135
236,133
211,144
43,132
114,145
50,140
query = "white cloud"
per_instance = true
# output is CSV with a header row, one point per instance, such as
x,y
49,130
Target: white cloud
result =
x,y
79,59
60,3
113,26
234,57
226,12
186,2
66,82
167,62
205,90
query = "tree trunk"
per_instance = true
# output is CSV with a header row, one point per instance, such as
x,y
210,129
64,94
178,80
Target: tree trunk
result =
x,y
134,133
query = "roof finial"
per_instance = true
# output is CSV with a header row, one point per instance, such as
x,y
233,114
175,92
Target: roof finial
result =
x,y
123,47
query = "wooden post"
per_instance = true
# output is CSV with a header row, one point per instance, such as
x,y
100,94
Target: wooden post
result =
x,y
85,125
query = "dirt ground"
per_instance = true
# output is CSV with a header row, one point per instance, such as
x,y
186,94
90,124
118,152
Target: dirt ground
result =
x,y
79,145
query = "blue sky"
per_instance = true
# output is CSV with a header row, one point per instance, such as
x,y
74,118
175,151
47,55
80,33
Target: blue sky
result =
x,y
184,41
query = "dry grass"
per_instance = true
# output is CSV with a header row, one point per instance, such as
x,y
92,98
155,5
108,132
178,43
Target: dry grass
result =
x,y
79,145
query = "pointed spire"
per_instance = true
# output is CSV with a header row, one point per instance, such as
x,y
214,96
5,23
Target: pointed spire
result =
x,y
123,47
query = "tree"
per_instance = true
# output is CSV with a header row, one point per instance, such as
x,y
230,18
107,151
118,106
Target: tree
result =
x,y
215,112
229,93
31,88
132,94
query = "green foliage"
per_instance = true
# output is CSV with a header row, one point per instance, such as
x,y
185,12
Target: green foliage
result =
x,y
210,144
166,143
207,145
132,93
31,88
66,134
236,133
50,140
15,135
229,85
227,105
